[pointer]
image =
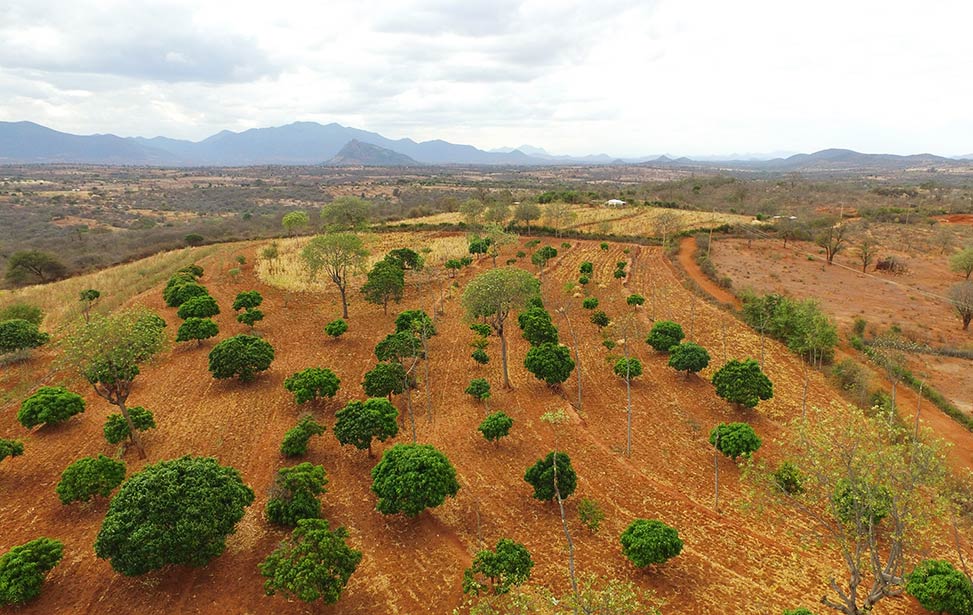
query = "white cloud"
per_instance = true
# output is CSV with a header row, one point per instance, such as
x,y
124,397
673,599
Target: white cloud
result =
x,y
618,76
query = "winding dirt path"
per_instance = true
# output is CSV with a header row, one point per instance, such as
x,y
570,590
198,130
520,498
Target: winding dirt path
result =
x,y
687,250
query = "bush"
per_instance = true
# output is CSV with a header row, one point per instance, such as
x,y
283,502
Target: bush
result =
x,y
586,268
478,389
23,568
604,246
247,300
172,512
481,329
584,280
551,363
940,587
10,448
116,427
385,379
688,357
789,478
734,439
743,383
194,271
629,368
480,356
19,334
360,422
312,384
590,514
178,294
198,329
193,239
88,477
801,325
664,335
541,477
202,306
49,406
647,541
589,303
336,328
537,326
313,564
495,426
250,317
635,300
22,311
600,318
294,495
798,611
499,570
240,356
411,478
298,437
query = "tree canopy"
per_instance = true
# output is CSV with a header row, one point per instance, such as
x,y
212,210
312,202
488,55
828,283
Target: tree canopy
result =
x,y
664,335
384,380
336,256
312,384
385,282
34,266
743,383
541,477
688,357
648,541
23,568
940,587
495,426
551,363
347,212
359,422
202,306
197,329
498,570
734,439
241,356
88,477
411,478
49,406
294,495
19,334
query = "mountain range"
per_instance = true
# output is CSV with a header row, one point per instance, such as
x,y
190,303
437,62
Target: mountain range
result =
x,y
310,143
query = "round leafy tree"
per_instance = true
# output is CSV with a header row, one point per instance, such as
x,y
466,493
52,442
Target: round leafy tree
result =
x,y
384,282
480,356
861,503
240,356
247,300
298,437
647,541
398,346
589,303
541,477
193,270
88,477
312,384
315,563
495,426
411,478
172,512
23,568
600,319
49,406
10,448
499,570
198,329
359,422
416,322
336,328
405,258
551,363
177,294
688,357
19,334
294,495
250,317
664,335
743,383
384,380
587,268
116,427
789,478
635,300
941,588
734,439
478,389
203,306
628,368
537,326
584,280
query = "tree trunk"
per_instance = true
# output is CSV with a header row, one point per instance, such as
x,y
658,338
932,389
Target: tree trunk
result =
x,y
567,535
133,434
344,301
503,356
628,396
716,479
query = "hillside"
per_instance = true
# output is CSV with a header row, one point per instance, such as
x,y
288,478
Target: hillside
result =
x,y
356,153
735,560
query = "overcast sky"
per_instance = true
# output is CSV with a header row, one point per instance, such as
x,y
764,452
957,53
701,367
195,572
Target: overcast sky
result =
x,y
625,77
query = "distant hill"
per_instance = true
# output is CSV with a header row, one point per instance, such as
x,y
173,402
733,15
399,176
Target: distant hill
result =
x,y
357,153
27,142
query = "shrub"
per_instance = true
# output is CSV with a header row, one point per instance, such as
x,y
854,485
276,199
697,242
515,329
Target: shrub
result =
x,y
481,329
358,423
90,476
312,383
198,329
664,335
385,379
609,344
22,311
194,271
584,280
411,478
635,300
586,268
629,368
648,541
298,437
589,303
604,246
19,334
600,318
743,383
798,611
49,406
313,564
240,356
193,239
734,439
541,477
10,448
336,328
478,389
688,357
116,427
940,587
499,570
789,478
549,362
495,426
247,300
178,294
23,568
590,514
202,306
172,512
480,356
250,317
294,495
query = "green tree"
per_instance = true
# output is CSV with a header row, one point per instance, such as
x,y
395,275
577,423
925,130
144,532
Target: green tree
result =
x,y
416,322
628,368
541,477
10,448
337,256
600,319
493,295
23,568
587,268
312,384
688,357
34,266
664,335
405,258
88,298
116,427
49,406
240,356
798,611
385,282
193,239
537,326
336,328
88,477
496,425
589,303
298,437
789,478
478,389
198,329
590,514
177,294
542,256
478,245
472,210
647,541
961,262
551,363
172,512
635,300
734,439
347,212
497,571
940,587
294,495
22,311
385,380
18,335
294,221
527,212
480,356
743,383
247,300
411,478
315,563
358,423
203,306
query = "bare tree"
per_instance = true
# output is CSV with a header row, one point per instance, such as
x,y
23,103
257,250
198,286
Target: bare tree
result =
x,y
961,297
559,215
866,253
666,223
832,235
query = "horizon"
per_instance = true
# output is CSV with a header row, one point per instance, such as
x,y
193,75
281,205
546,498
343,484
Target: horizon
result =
x,y
627,78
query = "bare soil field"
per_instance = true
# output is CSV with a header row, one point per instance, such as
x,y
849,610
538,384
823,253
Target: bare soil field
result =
x,y
736,560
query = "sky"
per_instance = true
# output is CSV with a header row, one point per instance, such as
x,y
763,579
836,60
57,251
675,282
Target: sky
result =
x,y
623,77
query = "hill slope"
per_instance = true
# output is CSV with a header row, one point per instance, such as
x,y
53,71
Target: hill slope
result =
x,y
356,153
